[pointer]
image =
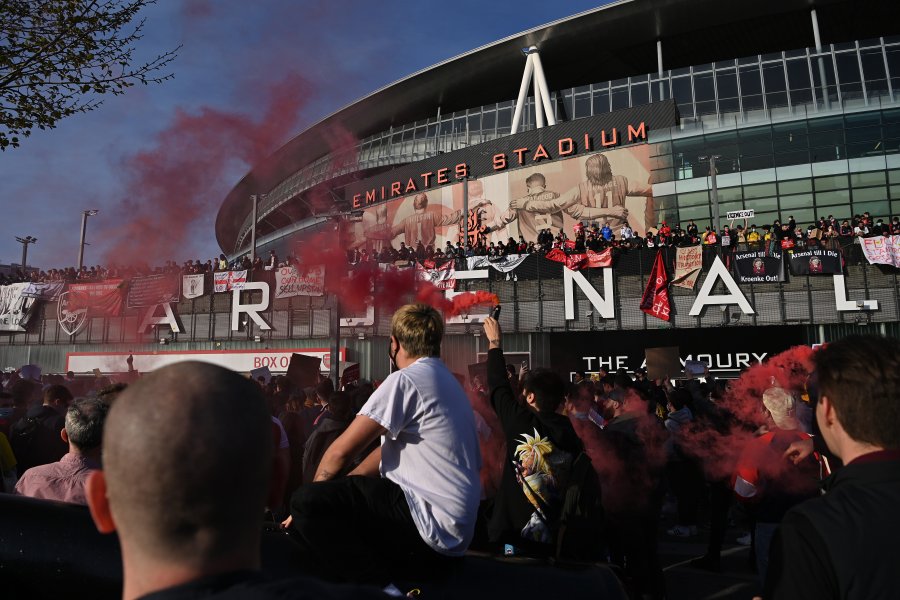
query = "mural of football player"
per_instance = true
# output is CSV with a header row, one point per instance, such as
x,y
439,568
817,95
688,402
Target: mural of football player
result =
x,y
423,224
601,196
377,232
530,221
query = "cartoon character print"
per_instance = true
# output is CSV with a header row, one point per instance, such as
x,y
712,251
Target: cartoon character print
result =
x,y
541,469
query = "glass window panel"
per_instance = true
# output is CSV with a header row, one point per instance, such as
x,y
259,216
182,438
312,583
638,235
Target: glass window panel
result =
x,y
730,194
639,94
567,106
583,89
827,153
794,157
724,63
681,91
749,60
752,163
894,177
693,198
755,141
729,105
795,186
619,98
766,218
795,53
832,197
893,59
824,63
789,136
704,89
489,120
798,79
726,84
601,102
725,207
504,118
826,124
582,106
446,127
619,82
830,182
773,75
863,149
867,119
420,133
873,70
706,108
876,209
826,138
698,213
895,207
848,74
869,194
762,204
863,134
750,82
802,217
891,130
771,56
796,201
844,46
703,67
866,179
759,190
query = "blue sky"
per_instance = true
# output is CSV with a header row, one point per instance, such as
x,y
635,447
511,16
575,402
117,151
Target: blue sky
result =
x,y
231,50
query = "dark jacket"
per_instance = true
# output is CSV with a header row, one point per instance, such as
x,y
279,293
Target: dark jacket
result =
x,y
843,544
511,508
40,444
328,430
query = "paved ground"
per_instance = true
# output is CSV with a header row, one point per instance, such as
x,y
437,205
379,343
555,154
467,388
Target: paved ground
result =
x,y
683,582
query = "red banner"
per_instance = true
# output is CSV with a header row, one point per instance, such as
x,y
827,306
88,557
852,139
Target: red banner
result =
x,y
655,301
102,298
588,260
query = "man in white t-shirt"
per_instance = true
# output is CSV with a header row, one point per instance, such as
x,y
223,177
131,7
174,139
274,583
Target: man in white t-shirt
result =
x,y
414,496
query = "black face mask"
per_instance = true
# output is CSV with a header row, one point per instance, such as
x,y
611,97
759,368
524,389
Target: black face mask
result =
x,y
392,354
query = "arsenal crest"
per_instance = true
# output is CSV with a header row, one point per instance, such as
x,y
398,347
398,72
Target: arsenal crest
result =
x,y
71,321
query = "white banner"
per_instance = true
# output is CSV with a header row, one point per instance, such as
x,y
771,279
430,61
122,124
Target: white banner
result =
x,y
44,291
288,282
442,277
242,361
688,262
882,250
14,307
225,281
504,263
192,286
740,214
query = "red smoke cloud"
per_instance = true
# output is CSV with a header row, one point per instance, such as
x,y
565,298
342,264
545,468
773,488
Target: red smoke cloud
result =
x,y
719,449
171,186
367,284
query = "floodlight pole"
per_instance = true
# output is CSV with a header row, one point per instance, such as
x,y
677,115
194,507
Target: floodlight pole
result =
x,y
84,216
255,199
25,241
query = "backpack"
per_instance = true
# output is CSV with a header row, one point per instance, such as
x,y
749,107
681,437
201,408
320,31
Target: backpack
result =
x,y
23,432
579,530
575,521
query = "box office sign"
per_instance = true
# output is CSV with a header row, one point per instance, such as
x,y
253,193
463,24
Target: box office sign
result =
x,y
242,361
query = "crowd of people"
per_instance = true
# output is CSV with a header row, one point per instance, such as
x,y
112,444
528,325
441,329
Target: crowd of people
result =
x,y
113,271
825,232
426,465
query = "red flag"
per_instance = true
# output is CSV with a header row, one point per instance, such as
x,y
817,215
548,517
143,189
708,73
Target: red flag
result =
x,y
570,244
557,255
655,301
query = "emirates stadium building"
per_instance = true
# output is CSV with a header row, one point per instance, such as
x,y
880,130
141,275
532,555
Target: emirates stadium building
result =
x,y
721,113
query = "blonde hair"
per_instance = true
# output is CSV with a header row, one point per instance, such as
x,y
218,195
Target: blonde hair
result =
x,y
419,329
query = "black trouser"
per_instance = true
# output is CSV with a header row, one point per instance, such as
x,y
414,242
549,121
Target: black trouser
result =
x,y
686,482
357,529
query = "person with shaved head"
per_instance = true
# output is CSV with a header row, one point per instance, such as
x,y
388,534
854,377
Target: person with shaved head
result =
x,y
187,472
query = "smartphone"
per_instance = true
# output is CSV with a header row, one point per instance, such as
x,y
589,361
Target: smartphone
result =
x,y
495,312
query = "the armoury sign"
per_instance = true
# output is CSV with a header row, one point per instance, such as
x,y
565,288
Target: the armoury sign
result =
x,y
817,261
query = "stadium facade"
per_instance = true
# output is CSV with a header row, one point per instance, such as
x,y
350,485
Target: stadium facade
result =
x,y
797,100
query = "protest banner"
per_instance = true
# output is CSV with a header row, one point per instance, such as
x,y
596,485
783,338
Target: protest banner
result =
x,y
815,261
688,263
152,290
289,282
759,266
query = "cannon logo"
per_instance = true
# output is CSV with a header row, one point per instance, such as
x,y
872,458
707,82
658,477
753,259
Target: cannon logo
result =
x,y
70,321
